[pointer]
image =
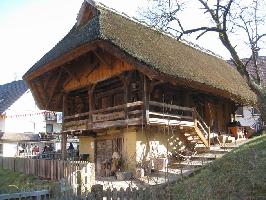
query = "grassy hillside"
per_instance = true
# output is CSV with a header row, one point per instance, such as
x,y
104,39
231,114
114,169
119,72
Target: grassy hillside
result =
x,y
241,174
14,181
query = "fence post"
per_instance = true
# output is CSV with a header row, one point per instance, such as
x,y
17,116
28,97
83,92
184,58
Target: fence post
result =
x,y
97,191
209,137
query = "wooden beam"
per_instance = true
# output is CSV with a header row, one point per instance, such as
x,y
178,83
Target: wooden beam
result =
x,y
71,74
117,123
155,83
146,97
64,145
98,53
57,62
50,77
125,78
58,106
44,89
36,94
93,67
164,105
91,102
64,134
53,89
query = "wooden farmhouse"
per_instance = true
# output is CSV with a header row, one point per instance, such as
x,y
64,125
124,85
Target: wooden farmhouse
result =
x,y
126,89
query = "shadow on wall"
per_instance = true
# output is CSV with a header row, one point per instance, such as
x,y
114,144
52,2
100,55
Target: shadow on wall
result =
x,y
157,143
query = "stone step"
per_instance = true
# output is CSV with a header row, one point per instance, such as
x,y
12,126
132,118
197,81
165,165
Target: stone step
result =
x,y
193,138
228,147
204,157
194,163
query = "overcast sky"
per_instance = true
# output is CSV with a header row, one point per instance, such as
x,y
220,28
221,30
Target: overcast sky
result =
x,y
30,28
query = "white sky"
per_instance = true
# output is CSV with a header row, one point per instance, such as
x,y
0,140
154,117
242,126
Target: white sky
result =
x,y
30,28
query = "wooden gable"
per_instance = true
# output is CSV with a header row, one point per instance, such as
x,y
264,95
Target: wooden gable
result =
x,y
95,67
86,13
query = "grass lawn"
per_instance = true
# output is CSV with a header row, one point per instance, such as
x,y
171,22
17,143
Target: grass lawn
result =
x,y
11,182
240,174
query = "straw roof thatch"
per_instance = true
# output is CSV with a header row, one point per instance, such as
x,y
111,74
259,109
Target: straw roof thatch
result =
x,y
156,50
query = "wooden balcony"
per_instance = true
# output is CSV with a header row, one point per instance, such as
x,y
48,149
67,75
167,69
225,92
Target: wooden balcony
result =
x,y
131,114
154,113
117,116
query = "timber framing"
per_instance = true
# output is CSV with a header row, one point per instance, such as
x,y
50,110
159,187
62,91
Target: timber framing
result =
x,y
110,72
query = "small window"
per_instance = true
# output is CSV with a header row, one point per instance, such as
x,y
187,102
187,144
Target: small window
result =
x,y
239,112
49,128
255,111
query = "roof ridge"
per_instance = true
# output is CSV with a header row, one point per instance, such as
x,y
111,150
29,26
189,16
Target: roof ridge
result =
x,y
133,18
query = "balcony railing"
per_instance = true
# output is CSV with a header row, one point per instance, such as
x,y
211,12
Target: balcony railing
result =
x,y
168,114
130,114
136,113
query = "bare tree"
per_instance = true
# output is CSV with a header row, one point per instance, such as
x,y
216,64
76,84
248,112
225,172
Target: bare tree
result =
x,y
227,17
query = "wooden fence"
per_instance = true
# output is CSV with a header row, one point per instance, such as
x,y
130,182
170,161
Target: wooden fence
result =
x,y
79,175
156,192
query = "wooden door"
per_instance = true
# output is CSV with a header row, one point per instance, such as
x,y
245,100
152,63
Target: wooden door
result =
x,y
105,150
103,153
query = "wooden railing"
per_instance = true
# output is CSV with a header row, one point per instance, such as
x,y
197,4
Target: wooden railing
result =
x,y
168,114
202,126
137,113
121,115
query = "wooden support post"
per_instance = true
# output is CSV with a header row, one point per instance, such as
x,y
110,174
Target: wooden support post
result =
x,y
125,78
63,145
194,116
146,98
209,136
53,89
91,103
64,135
126,98
65,106
100,55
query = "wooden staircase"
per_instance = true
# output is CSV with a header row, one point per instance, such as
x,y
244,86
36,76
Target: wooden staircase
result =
x,y
198,134
195,130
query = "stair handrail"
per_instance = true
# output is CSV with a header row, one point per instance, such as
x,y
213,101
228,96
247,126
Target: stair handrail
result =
x,y
200,121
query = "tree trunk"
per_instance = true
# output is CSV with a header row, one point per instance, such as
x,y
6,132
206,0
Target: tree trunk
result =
x,y
262,102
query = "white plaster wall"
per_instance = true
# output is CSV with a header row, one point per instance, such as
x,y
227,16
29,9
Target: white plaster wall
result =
x,y
2,125
56,127
24,105
9,149
247,119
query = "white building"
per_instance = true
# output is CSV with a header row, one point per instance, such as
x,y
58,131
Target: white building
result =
x,y
21,122
249,116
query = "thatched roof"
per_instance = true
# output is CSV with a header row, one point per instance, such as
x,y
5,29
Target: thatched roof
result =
x,y
11,92
19,137
156,50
